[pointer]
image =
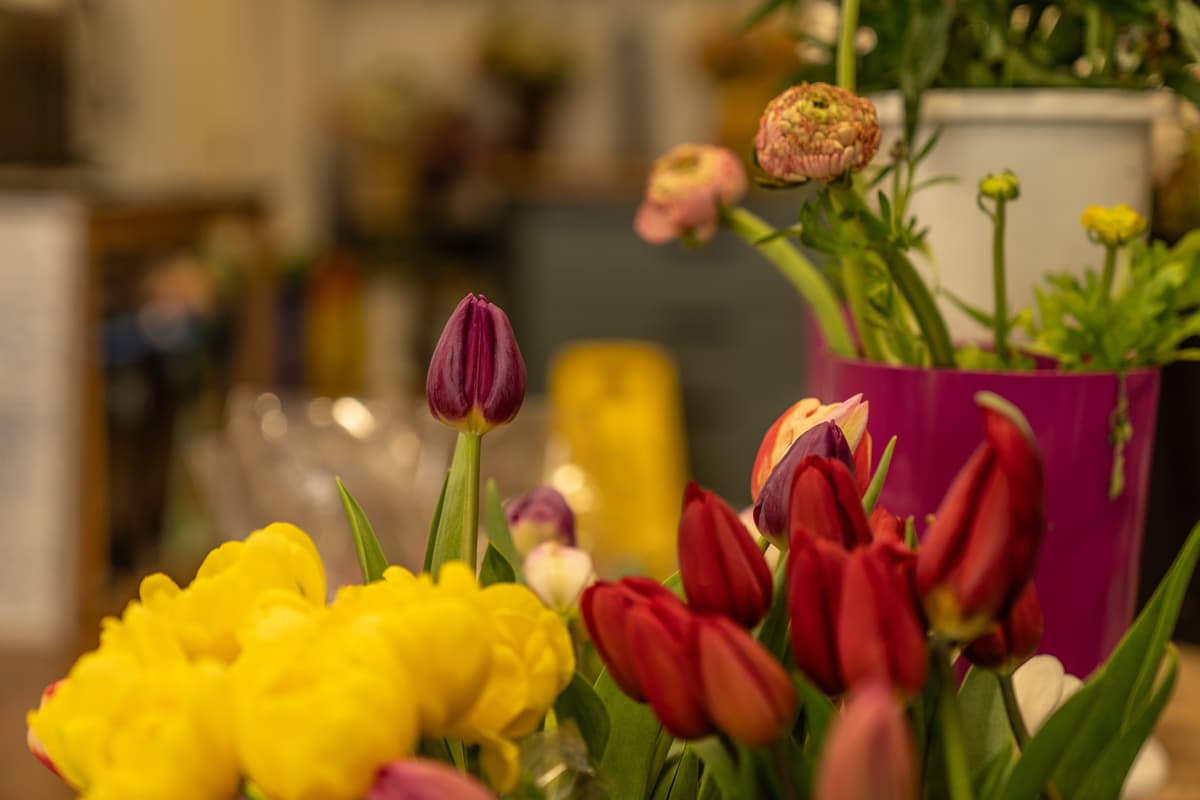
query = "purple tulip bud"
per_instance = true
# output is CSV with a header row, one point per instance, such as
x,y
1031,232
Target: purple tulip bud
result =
x,y
476,378
424,779
540,515
825,439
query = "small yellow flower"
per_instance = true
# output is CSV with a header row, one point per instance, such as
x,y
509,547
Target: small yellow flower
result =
x,y
1113,226
1004,186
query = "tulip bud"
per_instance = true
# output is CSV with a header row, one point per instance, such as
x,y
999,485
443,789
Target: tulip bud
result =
x,y
747,693
1014,640
721,567
685,191
425,779
558,575
815,571
662,637
849,415
824,501
35,744
980,550
606,607
823,440
476,378
879,636
540,515
869,752
816,131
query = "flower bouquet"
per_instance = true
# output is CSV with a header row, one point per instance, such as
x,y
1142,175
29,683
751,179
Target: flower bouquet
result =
x,y
1082,365
814,659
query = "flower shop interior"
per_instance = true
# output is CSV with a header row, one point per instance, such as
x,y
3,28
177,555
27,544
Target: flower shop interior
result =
x,y
231,234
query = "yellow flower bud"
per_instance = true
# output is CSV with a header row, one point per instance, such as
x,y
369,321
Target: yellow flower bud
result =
x,y
1113,226
1004,186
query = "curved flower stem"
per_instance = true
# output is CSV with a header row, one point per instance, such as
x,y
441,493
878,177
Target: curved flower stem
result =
x,y
1106,279
800,272
958,775
929,318
999,285
854,280
1015,720
845,53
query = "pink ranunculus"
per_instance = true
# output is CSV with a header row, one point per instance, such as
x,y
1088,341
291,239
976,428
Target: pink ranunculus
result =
x,y
685,192
816,131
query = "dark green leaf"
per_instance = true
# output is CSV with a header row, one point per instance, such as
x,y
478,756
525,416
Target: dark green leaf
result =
x,y
818,713
371,560
448,540
499,536
772,634
721,765
495,568
871,496
433,525
680,780
628,756
986,731
580,702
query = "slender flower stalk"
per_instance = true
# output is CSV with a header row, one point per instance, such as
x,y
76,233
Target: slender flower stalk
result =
x,y
470,529
799,271
1012,709
1001,189
1104,291
846,56
958,773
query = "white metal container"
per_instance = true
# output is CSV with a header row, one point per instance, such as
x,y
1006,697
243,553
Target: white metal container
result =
x,y
1070,148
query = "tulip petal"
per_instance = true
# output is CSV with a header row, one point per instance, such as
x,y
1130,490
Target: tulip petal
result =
x,y
747,693
661,636
815,569
869,753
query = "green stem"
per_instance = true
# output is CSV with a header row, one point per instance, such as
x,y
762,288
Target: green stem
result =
x,y
999,284
958,774
783,768
800,272
1110,268
1015,720
846,56
929,318
470,532
854,281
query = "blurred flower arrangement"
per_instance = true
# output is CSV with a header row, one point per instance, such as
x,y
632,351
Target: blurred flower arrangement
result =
x,y
815,660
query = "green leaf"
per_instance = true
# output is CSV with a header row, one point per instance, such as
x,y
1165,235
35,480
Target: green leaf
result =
x,y
371,560
974,312
496,524
818,712
772,634
1187,22
927,148
628,756
495,568
990,777
580,702
871,496
1068,744
1106,777
434,524
985,722
720,764
448,540
680,780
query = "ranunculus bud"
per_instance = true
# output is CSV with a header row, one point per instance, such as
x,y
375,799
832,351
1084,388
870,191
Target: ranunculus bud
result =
x,y
606,607
540,515
825,502
815,571
35,744
823,440
981,548
879,635
721,567
1014,640
816,131
476,378
1004,186
662,637
685,191
850,416
869,752
558,574
1113,226
425,779
747,693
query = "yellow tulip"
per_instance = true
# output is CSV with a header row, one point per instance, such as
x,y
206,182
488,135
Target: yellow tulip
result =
x,y
230,584
320,706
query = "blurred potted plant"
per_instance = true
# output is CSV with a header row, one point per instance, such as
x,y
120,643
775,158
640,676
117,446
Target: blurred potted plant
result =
x,y
1045,89
1087,377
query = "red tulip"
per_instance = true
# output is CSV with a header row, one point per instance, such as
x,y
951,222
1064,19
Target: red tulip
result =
x,y
722,568
476,378
815,573
605,608
747,693
1014,640
869,754
885,526
662,636
425,779
879,635
825,502
862,463
980,549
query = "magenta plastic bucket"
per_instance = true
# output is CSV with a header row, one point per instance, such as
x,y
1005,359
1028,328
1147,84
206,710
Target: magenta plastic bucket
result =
x,y
1088,567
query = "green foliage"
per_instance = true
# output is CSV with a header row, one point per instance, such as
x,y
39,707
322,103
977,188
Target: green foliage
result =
x,y
1148,317
370,555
